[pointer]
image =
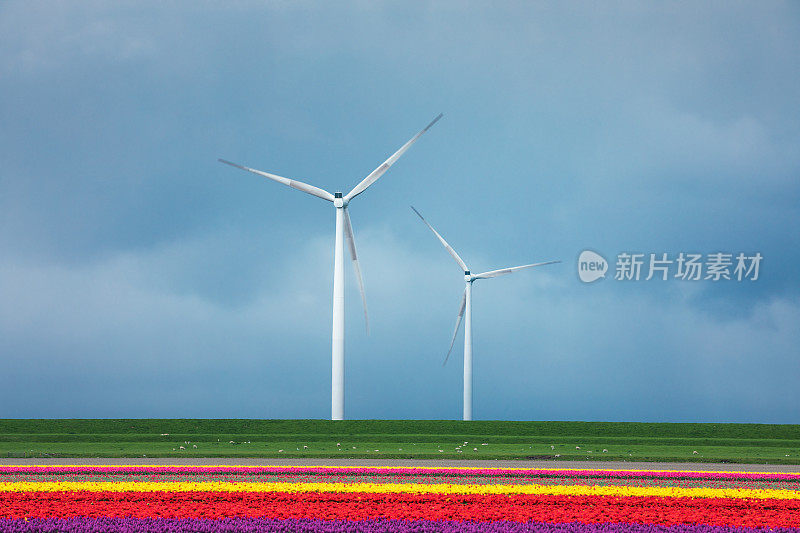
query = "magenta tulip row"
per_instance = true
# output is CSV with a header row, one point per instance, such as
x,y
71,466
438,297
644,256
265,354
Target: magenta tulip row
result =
x,y
397,471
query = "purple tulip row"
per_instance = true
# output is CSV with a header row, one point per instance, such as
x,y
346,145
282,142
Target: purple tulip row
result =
x,y
262,525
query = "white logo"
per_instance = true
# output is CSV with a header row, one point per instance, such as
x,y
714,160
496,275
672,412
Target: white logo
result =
x,y
591,266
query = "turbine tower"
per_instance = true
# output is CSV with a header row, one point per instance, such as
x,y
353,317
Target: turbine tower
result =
x,y
344,230
466,309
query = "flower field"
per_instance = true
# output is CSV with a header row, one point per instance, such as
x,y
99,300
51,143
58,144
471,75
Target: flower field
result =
x,y
392,499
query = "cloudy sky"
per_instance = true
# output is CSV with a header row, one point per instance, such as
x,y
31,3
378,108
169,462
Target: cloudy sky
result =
x,y
141,278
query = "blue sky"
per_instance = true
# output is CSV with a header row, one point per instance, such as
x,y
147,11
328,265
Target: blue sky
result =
x,y
141,278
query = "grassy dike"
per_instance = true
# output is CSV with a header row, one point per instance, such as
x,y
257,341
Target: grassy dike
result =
x,y
420,439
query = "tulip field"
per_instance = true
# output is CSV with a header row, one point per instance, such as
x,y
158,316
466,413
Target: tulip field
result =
x,y
133,498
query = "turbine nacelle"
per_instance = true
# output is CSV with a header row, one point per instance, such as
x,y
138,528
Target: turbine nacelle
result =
x,y
468,277
338,200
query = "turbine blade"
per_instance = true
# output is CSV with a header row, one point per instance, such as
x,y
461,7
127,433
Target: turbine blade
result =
x,y
299,185
458,324
447,247
378,172
351,242
504,271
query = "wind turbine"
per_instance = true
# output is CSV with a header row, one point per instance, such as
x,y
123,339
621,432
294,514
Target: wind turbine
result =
x,y
344,229
466,309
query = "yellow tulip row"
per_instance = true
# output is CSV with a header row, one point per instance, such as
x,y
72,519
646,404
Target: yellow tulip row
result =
x,y
395,488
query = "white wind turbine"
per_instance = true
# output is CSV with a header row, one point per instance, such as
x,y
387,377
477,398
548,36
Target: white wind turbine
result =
x,y
466,308
344,229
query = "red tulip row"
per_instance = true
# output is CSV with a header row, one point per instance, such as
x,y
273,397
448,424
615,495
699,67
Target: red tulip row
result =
x,y
360,506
